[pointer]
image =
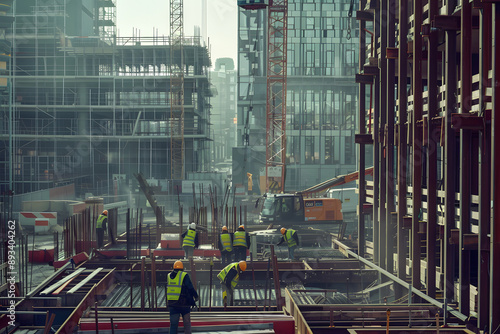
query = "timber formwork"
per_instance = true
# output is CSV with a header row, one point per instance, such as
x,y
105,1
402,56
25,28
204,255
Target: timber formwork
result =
x,y
430,70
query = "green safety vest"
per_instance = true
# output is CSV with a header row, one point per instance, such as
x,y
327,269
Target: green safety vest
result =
x,y
100,220
240,239
288,236
189,238
175,286
222,275
225,239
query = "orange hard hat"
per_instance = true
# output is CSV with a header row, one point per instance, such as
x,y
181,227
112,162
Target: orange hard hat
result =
x,y
224,228
178,265
241,226
242,265
283,230
105,212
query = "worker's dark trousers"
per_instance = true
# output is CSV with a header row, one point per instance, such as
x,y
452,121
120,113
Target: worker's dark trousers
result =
x,y
225,257
100,237
175,313
240,253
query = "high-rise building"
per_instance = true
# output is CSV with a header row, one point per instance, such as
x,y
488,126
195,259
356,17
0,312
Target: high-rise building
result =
x,y
6,20
90,108
223,78
321,89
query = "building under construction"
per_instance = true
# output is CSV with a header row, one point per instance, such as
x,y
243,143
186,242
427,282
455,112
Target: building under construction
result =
x,y
91,109
427,253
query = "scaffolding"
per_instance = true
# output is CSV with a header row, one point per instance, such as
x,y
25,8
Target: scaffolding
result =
x,y
89,108
431,125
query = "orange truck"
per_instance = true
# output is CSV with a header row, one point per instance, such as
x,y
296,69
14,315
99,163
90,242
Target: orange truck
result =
x,y
297,208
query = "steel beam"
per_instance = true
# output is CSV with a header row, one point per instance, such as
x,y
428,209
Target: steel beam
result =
x,y
448,255
389,141
495,175
483,286
417,144
432,151
362,132
402,141
382,120
465,158
376,148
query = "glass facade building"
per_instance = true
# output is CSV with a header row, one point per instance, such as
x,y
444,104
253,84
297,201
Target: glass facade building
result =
x,y
321,89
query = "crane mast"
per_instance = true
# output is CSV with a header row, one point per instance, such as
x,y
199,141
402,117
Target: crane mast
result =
x,y
276,95
176,68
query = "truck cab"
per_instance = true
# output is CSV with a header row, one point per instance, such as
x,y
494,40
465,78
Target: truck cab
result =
x,y
294,208
278,208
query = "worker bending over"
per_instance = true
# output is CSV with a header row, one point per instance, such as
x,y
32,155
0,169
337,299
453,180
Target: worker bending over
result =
x,y
190,241
292,239
225,246
181,295
241,242
229,278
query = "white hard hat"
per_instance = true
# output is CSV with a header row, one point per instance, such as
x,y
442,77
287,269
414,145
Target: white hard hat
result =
x,y
192,226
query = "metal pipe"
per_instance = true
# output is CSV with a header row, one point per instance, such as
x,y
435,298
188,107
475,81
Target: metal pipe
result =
x,y
253,280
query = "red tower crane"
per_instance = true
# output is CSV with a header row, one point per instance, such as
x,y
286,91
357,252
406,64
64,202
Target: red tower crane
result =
x,y
276,89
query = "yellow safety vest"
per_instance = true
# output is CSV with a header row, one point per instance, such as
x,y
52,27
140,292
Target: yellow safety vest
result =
x,y
240,239
222,275
288,236
100,220
175,286
189,238
225,239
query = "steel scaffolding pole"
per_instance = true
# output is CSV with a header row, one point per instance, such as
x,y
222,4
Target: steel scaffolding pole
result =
x,y
485,26
402,143
432,150
495,173
417,144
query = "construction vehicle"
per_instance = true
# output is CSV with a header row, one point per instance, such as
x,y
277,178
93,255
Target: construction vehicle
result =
x,y
298,209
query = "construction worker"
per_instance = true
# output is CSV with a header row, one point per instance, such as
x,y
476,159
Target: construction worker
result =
x,y
181,295
102,221
292,239
241,242
190,240
229,277
225,246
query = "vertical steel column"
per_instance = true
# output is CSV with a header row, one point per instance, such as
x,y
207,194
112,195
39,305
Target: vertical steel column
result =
x,y
389,146
465,154
495,174
417,143
402,142
383,145
362,130
376,148
449,157
432,147
483,286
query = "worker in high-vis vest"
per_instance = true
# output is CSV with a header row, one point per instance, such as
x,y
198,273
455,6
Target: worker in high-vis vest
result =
x,y
229,278
225,246
102,221
241,242
292,239
181,295
189,240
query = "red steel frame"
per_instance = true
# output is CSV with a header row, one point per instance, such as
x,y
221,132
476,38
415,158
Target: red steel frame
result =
x,y
276,90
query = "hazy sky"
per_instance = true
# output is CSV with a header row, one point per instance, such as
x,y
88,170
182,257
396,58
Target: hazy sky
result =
x,y
153,15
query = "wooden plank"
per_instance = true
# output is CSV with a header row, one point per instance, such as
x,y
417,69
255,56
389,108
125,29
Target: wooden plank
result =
x,y
61,282
83,282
